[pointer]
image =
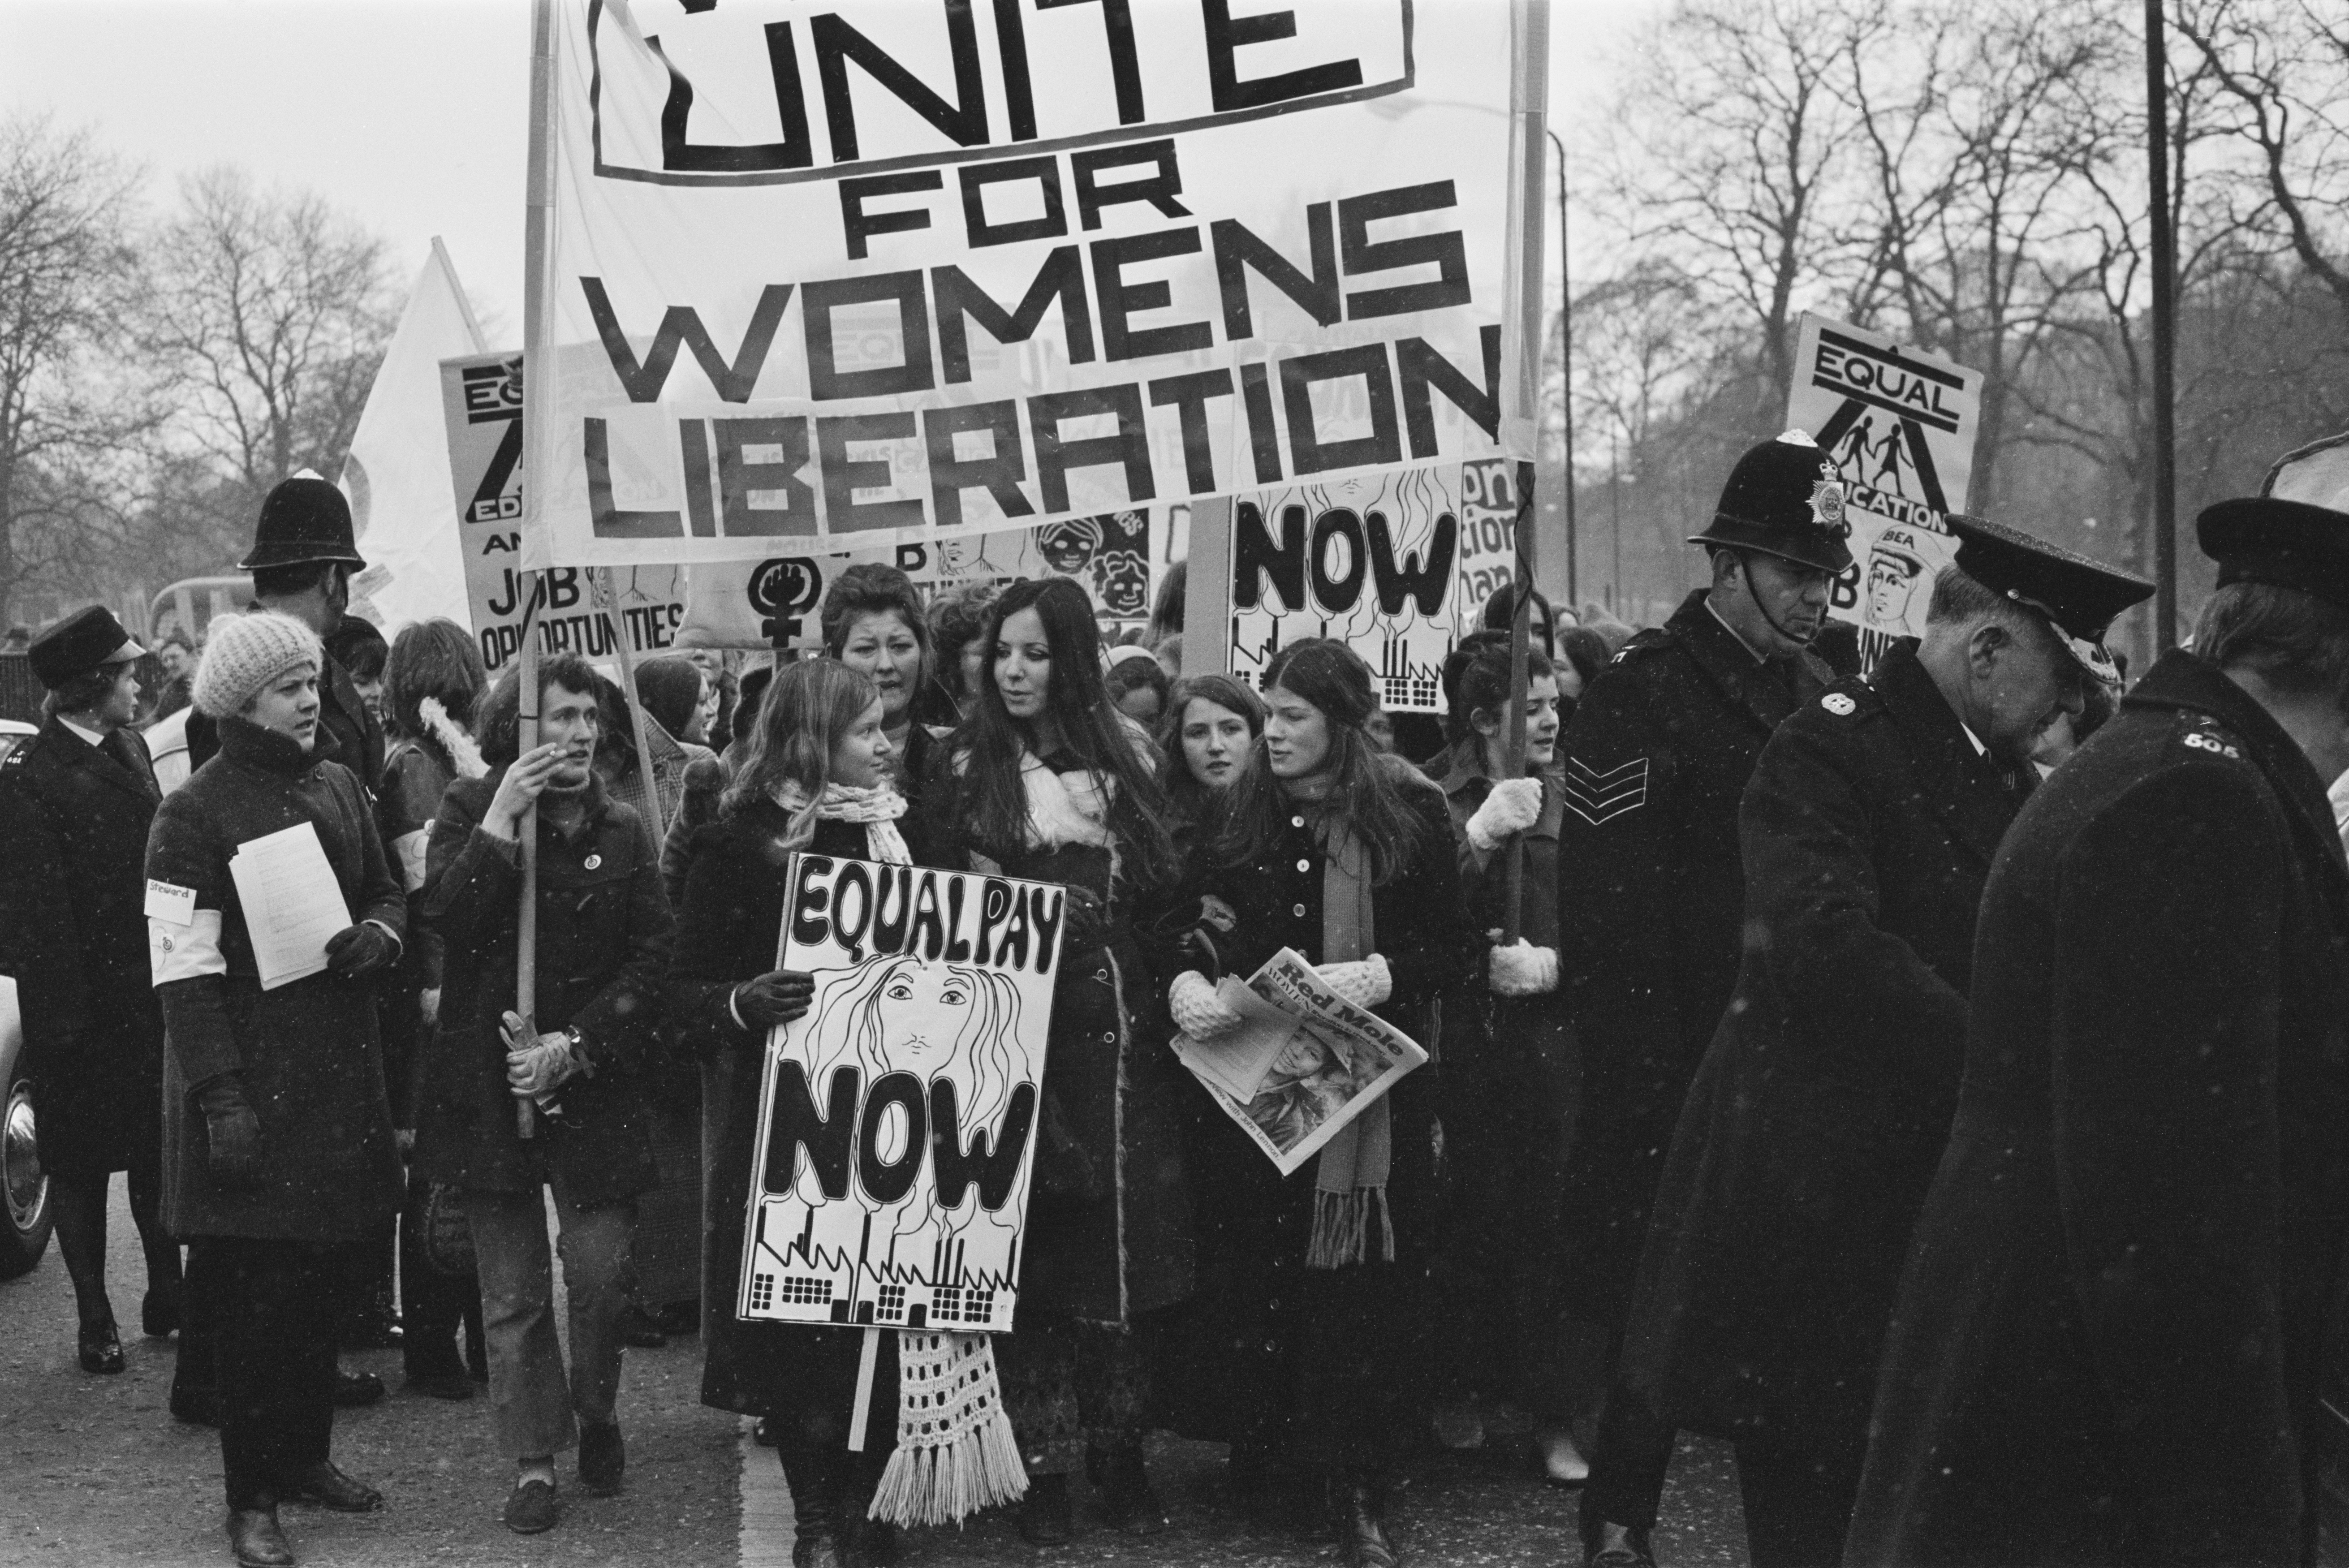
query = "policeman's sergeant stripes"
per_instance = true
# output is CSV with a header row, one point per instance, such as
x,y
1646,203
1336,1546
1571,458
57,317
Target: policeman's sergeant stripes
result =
x,y
1597,796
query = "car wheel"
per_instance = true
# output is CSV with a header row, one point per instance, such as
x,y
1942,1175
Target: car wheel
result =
x,y
29,1215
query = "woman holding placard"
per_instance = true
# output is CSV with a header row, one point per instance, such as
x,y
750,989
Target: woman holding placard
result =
x,y
277,1135
815,778
1046,780
1320,1313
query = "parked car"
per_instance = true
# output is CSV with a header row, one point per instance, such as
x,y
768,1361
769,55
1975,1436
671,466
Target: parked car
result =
x,y
14,733
26,1215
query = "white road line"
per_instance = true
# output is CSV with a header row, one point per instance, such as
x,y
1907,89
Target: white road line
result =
x,y
767,1530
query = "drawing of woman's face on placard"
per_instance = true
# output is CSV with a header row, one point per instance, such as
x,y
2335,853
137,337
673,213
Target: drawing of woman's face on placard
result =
x,y
935,1021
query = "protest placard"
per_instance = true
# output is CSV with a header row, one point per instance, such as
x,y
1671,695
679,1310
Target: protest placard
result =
x,y
1899,425
897,1116
1367,560
890,269
1311,1061
481,400
1117,559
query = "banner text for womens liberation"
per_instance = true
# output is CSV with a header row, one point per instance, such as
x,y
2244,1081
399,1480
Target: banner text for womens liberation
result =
x,y
893,267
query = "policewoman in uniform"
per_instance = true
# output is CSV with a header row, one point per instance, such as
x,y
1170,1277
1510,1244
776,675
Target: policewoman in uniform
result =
x,y
1821,1106
1650,893
2106,1344
76,803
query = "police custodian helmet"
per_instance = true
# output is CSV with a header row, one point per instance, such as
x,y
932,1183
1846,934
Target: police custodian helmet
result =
x,y
304,519
1783,498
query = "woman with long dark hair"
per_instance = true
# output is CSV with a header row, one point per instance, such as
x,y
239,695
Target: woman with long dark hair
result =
x,y
1513,1073
816,776
1046,780
1209,728
1318,1319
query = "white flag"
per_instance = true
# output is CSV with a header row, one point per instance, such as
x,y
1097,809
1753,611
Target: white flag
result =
x,y
397,476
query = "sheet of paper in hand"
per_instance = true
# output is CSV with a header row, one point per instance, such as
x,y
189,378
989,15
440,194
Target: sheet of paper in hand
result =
x,y
1336,1060
292,902
897,1116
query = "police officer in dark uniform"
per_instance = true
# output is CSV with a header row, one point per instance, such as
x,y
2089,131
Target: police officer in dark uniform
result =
x,y
75,802
1822,1105
1650,895
302,560
2106,1344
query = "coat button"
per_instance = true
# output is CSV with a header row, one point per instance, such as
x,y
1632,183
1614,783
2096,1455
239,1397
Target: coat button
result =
x,y
1304,865
1108,1037
1298,910
594,861
1296,822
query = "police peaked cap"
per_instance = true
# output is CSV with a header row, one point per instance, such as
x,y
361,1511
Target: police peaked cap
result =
x,y
84,641
2078,596
1783,498
2295,533
304,519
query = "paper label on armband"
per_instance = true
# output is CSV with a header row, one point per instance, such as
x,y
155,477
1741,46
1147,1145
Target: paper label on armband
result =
x,y
172,904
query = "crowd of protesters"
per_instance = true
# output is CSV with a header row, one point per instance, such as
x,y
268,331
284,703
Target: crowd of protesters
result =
x,y
1932,1082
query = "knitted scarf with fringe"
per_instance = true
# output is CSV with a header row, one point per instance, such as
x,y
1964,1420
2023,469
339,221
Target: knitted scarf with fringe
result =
x,y
956,1451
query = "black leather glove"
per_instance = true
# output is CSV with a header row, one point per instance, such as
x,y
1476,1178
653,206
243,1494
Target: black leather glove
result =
x,y
231,1132
775,997
358,950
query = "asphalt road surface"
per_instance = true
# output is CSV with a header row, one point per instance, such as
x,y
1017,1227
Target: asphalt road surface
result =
x,y
93,1471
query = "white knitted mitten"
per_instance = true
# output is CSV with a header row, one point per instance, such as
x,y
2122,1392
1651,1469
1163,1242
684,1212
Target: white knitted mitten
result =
x,y
1514,806
1198,1011
1365,982
1523,970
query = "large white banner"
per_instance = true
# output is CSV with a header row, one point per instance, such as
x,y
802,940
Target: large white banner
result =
x,y
841,277
1900,423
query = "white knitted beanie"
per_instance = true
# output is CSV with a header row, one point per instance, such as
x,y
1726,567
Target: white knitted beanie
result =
x,y
242,653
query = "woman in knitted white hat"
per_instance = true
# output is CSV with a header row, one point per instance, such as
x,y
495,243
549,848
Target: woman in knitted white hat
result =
x,y
276,1131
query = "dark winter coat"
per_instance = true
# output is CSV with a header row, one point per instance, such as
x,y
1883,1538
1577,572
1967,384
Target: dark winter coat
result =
x,y
74,819
407,798
1651,906
1329,1366
2107,1340
728,927
1512,1083
308,1051
603,954
1819,1112
1109,1212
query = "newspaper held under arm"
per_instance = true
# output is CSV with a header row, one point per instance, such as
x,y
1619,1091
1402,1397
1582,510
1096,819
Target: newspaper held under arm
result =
x,y
1306,1063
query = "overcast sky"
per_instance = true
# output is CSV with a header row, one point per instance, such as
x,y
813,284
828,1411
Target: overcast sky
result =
x,y
409,114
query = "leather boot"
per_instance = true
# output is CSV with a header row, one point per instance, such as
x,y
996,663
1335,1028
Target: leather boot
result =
x,y
1610,1545
254,1537
1362,1523
819,1543
1045,1518
1122,1484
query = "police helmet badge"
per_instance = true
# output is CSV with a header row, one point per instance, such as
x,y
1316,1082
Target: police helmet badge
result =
x,y
1827,507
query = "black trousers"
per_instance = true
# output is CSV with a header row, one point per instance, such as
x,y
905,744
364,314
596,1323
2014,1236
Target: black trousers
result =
x,y
434,1307
1797,1504
267,1313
